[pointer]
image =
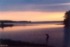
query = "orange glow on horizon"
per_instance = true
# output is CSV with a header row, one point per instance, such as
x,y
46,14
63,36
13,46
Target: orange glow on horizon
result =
x,y
32,16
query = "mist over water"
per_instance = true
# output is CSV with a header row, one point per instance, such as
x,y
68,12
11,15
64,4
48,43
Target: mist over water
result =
x,y
35,33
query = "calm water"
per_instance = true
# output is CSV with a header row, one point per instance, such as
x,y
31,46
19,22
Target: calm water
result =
x,y
35,33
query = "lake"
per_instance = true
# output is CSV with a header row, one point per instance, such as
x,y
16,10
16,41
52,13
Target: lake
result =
x,y
35,33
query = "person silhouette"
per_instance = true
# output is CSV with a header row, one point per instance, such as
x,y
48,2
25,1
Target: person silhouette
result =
x,y
67,29
47,38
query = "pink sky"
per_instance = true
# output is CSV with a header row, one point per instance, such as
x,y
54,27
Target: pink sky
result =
x,y
31,16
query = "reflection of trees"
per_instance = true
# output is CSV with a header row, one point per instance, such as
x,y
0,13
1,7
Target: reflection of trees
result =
x,y
2,25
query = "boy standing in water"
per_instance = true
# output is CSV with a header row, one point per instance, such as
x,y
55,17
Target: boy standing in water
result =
x,y
47,38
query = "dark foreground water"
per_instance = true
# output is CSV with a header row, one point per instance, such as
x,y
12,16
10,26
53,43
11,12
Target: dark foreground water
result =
x,y
35,33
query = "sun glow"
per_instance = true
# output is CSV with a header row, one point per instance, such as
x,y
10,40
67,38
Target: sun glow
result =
x,y
31,16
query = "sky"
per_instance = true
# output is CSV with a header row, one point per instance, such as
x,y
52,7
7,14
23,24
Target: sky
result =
x,y
33,10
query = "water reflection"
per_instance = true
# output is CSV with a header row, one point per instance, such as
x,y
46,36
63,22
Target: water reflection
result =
x,y
35,33
31,27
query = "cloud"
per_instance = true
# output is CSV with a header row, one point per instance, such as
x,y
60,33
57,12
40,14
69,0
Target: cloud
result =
x,y
33,1
34,5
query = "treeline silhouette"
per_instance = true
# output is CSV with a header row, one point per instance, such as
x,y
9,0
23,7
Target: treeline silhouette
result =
x,y
10,21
